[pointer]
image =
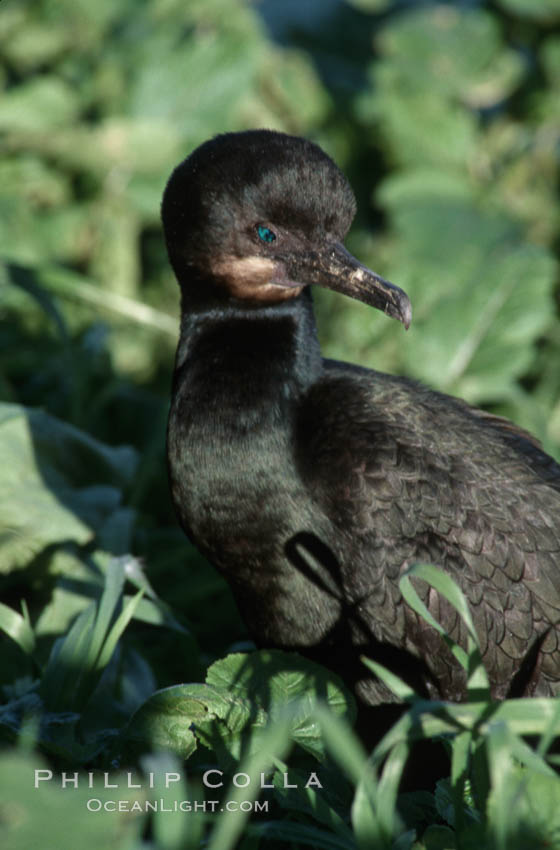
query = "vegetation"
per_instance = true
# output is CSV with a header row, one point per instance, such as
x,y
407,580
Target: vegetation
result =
x,y
121,648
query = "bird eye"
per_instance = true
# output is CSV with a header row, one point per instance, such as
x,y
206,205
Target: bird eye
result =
x,y
265,233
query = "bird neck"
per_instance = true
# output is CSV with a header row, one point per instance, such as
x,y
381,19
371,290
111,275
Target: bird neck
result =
x,y
249,354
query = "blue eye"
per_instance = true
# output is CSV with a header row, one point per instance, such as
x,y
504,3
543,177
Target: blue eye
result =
x,y
265,233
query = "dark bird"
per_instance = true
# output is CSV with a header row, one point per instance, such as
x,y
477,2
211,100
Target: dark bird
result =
x,y
312,485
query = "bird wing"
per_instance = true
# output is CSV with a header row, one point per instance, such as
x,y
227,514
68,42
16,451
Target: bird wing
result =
x,y
408,475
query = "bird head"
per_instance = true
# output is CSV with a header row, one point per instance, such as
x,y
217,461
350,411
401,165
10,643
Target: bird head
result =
x,y
257,216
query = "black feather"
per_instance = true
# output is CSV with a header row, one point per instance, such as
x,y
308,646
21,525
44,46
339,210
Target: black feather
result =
x,y
312,485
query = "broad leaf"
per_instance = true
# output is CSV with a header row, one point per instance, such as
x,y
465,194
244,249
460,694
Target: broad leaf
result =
x,y
169,718
275,681
57,484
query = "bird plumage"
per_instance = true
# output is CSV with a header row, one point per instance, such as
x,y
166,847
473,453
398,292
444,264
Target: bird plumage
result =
x,y
312,485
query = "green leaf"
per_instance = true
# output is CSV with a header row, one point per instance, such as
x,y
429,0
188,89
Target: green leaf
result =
x,y
370,826
66,666
445,801
173,830
26,280
50,816
157,93
460,770
79,289
428,719
543,11
34,181
439,838
274,744
57,484
310,801
473,337
345,748
75,584
168,719
505,316
524,804
78,659
112,593
43,103
116,631
400,688
451,53
17,627
418,127
36,44
242,694
274,680
477,684
291,80
388,787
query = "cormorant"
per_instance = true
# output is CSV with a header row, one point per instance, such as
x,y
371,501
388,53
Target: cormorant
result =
x,y
312,485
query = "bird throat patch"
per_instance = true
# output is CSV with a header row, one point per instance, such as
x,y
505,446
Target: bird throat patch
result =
x,y
250,278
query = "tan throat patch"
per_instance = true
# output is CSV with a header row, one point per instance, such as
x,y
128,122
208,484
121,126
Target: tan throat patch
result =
x,y
249,277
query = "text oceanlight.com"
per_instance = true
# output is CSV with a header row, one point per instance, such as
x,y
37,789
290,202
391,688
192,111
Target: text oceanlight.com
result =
x,y
96,805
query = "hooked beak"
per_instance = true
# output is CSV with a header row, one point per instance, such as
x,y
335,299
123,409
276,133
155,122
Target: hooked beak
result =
x,y
335,268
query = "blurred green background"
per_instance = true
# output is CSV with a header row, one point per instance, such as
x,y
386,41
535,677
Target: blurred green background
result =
x,y
444,116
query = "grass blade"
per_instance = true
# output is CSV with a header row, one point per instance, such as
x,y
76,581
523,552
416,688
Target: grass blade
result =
x,y
348,752
110,598
117,629
460,757
342,744
67,663
400,688
478,684
76,287
17,627
274,743
388,788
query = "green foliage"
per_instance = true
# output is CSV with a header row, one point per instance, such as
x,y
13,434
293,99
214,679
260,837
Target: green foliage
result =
x,y
545,11
217,712
254,712
48,817
468,200
446,118
46,466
